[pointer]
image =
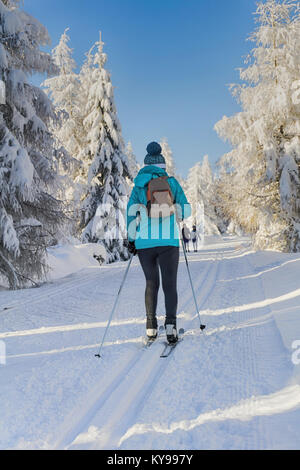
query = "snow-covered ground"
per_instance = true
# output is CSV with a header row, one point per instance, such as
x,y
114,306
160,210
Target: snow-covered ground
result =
x,y
235,386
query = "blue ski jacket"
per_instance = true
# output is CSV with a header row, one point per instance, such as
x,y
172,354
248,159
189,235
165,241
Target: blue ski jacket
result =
x,y
151,232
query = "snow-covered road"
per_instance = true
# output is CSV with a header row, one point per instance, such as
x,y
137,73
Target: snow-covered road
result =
x,y
235,386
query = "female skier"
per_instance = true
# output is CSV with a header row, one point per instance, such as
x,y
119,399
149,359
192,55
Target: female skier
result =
x,y
156,205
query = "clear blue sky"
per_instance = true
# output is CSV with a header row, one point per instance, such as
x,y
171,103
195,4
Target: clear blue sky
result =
x,y
170,61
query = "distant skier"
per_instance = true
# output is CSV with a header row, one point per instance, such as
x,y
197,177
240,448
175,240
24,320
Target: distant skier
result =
x,y
194,236
186,236
155,203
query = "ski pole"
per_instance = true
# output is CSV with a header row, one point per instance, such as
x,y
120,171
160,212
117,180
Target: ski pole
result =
x,y
114,307
190,277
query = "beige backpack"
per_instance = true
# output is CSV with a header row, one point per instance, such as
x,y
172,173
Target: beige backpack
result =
x,y
160,200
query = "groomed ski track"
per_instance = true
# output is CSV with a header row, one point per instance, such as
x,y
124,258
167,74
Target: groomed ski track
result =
x,y
227,387
123,399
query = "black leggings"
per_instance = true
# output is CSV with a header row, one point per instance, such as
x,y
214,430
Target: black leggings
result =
x,y
166,258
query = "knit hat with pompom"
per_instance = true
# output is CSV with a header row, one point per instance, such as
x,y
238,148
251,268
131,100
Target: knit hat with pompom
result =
x,y
154,156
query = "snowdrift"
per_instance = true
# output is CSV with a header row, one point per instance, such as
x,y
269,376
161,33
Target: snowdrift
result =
x,y
64,260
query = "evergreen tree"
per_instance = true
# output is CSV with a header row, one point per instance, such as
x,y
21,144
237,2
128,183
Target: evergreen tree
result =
x,y
170,165
81,185
264,162
194,191
104,204
201,195
65,91
168,155
133,166
30,214
29,210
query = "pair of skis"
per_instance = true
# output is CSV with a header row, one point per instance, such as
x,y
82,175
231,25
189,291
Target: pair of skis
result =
x,y
168,347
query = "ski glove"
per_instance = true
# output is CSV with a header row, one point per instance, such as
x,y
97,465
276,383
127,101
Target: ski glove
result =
x,y
131,248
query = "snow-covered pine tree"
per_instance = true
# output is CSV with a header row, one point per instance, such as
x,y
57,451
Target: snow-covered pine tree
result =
x,y
265,135
29,210
103,208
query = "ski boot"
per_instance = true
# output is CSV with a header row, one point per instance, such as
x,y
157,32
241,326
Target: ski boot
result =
x,y
171,332
151,334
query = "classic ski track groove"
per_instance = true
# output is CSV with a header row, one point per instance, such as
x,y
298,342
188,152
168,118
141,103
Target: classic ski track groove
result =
x,y
69,285
205,286
129,390
73,284
86,413
55,292
260,434
260,431
246,371
117,423
100,399
121,423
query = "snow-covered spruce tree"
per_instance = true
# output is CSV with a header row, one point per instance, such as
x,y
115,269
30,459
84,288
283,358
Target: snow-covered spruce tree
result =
x,y
133,165
103,209
29,210
85,78
265,135
65,91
